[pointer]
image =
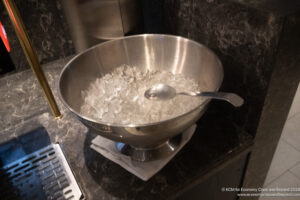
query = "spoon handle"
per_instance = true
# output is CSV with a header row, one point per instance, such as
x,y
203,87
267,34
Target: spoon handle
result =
x,y
232,98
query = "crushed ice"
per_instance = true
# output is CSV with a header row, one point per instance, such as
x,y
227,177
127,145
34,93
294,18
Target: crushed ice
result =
x,y
118,97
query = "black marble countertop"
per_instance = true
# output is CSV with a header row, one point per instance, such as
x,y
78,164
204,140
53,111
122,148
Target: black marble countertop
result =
x,y
23,108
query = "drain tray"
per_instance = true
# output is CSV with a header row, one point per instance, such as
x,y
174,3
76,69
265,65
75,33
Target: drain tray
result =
x,y
43,174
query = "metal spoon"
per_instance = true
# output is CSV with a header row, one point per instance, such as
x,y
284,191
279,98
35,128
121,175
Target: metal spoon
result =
x,y
165,92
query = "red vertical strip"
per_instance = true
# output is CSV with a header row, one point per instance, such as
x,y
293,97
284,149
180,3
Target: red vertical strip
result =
x,y
4,37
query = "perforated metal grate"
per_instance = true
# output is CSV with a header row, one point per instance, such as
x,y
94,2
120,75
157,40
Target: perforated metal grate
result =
x,y
44,174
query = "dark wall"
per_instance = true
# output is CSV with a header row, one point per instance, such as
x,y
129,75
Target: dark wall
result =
x,y
46,27
276,6
152,11
244,38
282,88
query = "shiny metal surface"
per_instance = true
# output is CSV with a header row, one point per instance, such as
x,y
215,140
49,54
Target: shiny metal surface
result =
x,y
165,52
153,153
231,98
161,92
43,174
131,14
95,21
101,18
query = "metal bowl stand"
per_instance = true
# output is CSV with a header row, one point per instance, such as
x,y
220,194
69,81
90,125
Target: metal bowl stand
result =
x,y
148,154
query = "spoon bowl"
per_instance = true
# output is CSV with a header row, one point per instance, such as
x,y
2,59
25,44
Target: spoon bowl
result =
x,y
160,92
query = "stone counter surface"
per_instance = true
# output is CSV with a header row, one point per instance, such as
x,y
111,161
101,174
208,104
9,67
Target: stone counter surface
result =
x,y
23,108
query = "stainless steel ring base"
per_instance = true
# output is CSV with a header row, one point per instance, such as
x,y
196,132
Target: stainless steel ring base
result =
x,y
175,54
149,154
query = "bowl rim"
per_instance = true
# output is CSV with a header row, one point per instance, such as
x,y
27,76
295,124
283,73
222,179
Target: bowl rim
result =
x,y
204,103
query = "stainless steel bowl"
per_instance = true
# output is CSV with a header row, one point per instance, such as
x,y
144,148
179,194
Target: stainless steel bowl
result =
x,y
165,52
